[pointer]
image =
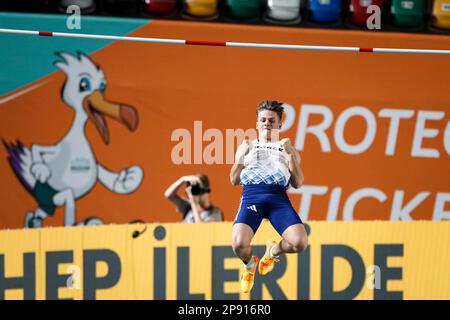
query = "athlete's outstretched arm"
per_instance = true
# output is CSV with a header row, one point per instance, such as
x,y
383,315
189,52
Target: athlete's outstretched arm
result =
x,y
238,166
294,164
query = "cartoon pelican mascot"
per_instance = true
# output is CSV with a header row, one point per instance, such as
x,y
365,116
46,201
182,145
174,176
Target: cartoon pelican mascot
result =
x,y
58,175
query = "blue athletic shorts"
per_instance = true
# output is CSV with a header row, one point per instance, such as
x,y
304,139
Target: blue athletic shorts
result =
x,y
264,201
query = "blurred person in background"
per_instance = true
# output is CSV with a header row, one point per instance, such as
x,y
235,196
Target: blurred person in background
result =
x,y
196,207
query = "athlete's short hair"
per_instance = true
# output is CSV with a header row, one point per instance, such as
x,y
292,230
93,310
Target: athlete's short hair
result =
x,y
271,105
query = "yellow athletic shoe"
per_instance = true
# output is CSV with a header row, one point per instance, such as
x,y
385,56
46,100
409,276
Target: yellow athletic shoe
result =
x,y
248,277
267,262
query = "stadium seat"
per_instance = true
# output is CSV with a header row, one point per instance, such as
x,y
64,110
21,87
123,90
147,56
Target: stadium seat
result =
x,y
358,10
408,13
160,6
86,6
324,11
441,14
283,10
243,9
201,9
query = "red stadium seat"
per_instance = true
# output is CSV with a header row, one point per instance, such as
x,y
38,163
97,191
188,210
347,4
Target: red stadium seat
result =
x,y
160,6
358,10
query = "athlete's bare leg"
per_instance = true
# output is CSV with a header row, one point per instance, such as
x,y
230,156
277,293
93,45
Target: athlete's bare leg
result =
x,y
242,236
295,240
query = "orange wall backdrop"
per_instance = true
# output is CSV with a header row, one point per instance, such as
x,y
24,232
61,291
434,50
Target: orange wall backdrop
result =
x,y
358,164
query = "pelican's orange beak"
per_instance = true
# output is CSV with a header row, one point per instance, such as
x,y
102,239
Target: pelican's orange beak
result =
x,y
96,106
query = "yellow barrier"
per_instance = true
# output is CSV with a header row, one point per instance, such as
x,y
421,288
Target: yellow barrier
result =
x,y
345,260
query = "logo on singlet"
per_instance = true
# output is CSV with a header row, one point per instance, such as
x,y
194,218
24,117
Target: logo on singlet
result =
x,y
258,146
253,208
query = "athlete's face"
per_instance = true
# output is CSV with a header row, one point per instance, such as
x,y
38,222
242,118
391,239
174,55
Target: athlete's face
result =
x,y
268,124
